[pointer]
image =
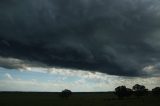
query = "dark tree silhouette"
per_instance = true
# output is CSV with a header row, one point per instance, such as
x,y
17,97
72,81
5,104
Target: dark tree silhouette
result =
x,y
122,91
140,90
66,93
156,91
129,92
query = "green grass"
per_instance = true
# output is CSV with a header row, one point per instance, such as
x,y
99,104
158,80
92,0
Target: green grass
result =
x,y
77,99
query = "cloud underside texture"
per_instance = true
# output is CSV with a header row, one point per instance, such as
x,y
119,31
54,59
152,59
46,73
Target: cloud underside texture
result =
x,y
109,36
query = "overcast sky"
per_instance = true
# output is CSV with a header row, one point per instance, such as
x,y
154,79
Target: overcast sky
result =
x,y
83,45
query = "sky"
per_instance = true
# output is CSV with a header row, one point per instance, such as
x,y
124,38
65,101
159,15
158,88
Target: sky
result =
x,y
81,45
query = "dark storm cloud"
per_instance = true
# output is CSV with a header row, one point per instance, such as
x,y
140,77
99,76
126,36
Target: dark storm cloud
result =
x,y
118,37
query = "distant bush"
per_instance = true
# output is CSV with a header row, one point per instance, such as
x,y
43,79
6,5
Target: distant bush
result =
x,y
140,90
156,91
66,93
122,91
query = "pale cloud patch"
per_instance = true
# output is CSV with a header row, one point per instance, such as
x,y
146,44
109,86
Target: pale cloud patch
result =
x,y
82,84
49,86
96,81
8,76
14,63
153,69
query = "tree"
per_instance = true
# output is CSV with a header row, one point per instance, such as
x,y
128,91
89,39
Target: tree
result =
x,y
140,90
156,91
66,93
129,92
122,91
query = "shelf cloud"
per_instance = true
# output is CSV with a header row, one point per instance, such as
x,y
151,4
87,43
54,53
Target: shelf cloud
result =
x,y
117,37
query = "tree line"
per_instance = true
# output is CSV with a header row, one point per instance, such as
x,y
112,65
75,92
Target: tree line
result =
x,y
122,91
137,90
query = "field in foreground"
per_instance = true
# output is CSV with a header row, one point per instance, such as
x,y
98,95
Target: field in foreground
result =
x,y
77,99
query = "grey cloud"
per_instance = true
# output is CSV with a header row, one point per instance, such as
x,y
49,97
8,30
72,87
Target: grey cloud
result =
x,y
110,36
152,69
13,63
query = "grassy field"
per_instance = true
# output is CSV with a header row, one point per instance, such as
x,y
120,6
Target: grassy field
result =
x,y
77,99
